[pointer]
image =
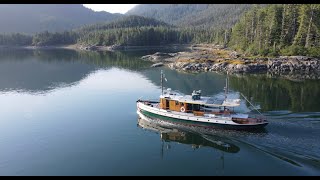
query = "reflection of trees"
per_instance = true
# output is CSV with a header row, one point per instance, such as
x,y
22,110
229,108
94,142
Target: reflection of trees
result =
x,y
269,93
98,59
118,59
208,83
39,69
35,71
279,94
127,60
15,54
46,69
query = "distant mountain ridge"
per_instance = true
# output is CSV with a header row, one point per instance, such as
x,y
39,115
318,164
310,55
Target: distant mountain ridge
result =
x,y
213,15
128,21
32,18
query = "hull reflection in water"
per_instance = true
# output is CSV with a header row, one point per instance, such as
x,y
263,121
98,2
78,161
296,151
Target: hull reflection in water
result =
x,y
185,134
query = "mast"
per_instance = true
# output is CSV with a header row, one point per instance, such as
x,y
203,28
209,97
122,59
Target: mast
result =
x,y
226,88
162,78
161,82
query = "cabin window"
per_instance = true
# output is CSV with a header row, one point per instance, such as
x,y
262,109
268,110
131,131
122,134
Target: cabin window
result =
x,y
189,107
196,107
182,104
177,103
167,104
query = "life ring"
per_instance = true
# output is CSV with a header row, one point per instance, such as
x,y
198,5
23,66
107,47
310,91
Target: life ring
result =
x,y
182,109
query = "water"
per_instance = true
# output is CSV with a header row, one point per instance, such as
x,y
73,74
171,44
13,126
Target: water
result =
x,y
69,113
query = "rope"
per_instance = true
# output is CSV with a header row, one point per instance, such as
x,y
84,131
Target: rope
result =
x,y
250,103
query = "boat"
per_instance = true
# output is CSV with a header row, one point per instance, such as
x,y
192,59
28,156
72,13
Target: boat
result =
x,y
198,110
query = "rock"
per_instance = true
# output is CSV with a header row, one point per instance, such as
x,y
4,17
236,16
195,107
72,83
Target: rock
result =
x,y
294,62
282,65
223,64
234,54
146,57
157,64
158,56
230,66
171,65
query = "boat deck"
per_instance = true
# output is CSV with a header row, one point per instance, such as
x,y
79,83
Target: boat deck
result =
x,y
225,115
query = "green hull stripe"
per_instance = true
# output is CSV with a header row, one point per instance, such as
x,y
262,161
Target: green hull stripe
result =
x,y
153,115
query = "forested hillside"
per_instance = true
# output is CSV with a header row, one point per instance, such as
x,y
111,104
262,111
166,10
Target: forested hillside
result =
x,y
141,31
205,15
130,30
124,22
288,29
268,30
32,18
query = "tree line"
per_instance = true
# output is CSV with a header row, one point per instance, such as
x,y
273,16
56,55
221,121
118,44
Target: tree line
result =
x,y
131,36
41,39
287,29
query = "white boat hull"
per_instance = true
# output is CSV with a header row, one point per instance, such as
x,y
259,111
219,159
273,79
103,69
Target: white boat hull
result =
x,y
218,121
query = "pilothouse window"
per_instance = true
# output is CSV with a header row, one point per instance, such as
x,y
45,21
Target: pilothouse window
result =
x,y
196,107
189,107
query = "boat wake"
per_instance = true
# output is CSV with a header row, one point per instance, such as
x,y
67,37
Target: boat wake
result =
x,y
281,140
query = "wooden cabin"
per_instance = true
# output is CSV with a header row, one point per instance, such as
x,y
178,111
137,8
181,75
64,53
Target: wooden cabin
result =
x,y
174,105
191,103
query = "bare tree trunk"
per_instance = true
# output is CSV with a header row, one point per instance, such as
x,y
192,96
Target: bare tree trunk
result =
x,y
259,32
245,20
270,30
309,28
225,39
252,29
294,23
283,34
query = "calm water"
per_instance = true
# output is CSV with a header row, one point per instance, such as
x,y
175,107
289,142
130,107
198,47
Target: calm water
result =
x,y
69,113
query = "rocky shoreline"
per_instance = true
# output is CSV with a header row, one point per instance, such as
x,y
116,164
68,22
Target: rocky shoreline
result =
x,y
81,47
117,47
204,58
222,60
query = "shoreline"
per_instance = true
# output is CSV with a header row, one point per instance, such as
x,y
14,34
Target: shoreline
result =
x,y
101,48
39,47
209,57
206,58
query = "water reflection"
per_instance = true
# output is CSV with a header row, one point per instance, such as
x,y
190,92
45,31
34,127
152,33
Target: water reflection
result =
x,y
279,94
209,83
38,71
87,127
269,94
184,134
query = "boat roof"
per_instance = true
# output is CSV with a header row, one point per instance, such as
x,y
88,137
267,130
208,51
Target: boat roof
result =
x,y
208,101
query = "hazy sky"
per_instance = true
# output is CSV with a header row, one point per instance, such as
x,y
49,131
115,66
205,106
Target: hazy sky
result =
x,y
112,8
